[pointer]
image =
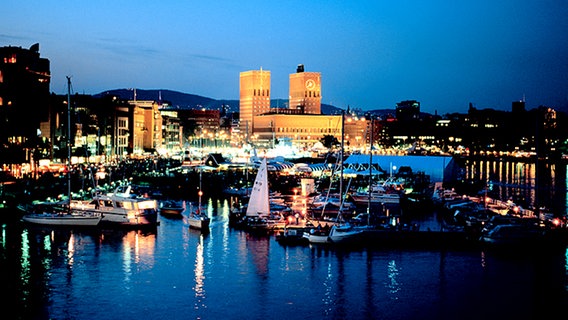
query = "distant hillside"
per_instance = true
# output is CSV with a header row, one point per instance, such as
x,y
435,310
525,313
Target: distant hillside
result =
x,y
192,101
174,98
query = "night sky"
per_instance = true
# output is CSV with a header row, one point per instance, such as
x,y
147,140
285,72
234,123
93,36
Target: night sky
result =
x,y
371,54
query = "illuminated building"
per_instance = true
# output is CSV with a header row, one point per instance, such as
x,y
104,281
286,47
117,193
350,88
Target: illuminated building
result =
x,y
307,129
147,126
171,131
254,98
302,122
201,124
305,91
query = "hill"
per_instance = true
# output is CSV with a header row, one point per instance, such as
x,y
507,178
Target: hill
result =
x,y
191,101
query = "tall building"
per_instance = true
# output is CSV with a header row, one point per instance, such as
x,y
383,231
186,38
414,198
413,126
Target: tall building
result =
x,y
408,110
254,96
24,94
147,128
305,91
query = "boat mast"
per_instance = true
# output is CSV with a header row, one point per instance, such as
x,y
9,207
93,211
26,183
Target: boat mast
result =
x,y
200,193
370,168
341,196
69,140
341,155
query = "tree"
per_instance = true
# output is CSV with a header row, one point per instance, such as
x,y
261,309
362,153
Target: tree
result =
x,y
329,141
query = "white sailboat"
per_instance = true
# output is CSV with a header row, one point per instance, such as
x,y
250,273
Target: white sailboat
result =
x,y
342,233
259,201
258,213
198,219
65,216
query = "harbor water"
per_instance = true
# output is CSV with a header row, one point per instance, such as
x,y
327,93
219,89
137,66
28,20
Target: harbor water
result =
x,y
174,272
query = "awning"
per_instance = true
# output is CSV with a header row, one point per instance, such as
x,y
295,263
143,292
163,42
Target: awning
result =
x,y
279,166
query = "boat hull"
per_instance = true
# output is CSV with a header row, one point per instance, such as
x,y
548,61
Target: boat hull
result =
x,y
55,219
291,237
171,208
317,236
375,199
199,222
171,211
344,234
513,235
121,211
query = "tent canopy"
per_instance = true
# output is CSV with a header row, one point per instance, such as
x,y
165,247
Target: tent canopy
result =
x,y
434,166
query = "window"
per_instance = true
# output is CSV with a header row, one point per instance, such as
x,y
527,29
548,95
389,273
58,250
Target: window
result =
x,y
11,59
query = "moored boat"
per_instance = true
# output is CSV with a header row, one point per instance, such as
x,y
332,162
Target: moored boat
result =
x,y
121,208
344,233
515,233
83,219
172,208
318,235
291,236
63,214
198,220
361,198
261,215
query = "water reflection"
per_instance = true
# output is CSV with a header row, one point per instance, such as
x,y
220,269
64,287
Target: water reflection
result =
x,y
525,182
393,286
328,299
258,247
370,306
233,274
199,288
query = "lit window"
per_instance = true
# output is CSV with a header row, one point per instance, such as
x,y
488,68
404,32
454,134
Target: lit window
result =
x,y
11,59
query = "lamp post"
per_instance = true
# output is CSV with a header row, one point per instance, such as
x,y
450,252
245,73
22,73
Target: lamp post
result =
x,y
392,168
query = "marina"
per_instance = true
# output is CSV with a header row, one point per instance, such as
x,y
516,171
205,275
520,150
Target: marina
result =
x,y
173,269
415,166
395,252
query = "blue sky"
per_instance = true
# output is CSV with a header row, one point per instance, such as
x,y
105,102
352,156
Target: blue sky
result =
x,y
371,54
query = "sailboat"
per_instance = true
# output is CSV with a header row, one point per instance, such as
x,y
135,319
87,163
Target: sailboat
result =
x,y
198,219
66,216
340,231
259,216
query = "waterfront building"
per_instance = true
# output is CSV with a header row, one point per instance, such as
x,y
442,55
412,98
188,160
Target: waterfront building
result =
x,y
307,129
147,126
201,126
24,95
172,132
254,98
302,122
305,91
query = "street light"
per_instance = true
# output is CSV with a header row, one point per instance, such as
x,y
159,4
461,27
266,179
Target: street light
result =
x,y
392,168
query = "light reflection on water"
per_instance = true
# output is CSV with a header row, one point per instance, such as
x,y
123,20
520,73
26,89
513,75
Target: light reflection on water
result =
x,y
199,276
526,182
173,271
392,285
